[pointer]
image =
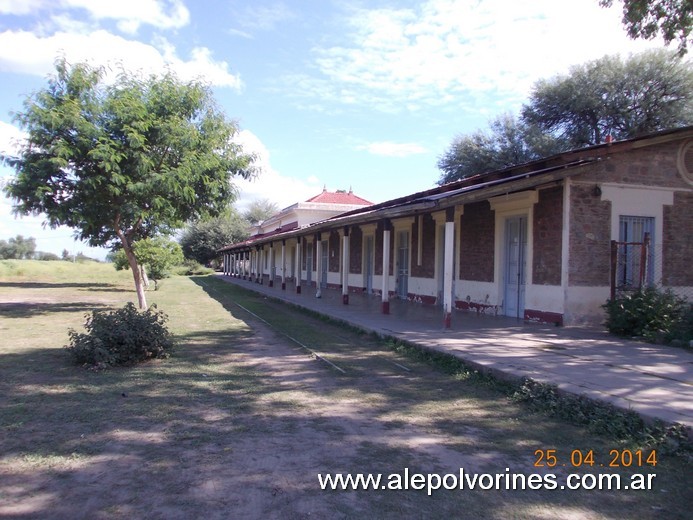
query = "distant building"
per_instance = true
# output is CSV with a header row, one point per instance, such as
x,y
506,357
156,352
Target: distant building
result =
x,y
321,207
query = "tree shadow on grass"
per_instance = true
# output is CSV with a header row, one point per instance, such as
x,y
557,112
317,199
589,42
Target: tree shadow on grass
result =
x,y
203,435
29,309
60,285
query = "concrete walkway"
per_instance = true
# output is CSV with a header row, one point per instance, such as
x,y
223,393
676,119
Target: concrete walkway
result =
x,y
653,380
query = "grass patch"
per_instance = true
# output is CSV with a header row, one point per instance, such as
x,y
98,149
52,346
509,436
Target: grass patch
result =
x,y
240,420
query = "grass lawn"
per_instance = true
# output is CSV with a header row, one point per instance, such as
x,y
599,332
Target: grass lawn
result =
x,y
240,421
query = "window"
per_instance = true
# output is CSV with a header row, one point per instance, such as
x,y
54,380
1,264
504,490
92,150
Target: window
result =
x,y
635,266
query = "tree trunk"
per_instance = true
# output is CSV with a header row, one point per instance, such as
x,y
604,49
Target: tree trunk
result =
x,y
135,268
145,278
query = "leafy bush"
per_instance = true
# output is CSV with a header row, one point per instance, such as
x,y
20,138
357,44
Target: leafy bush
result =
x,y
46,257
191,268
653,314
122,337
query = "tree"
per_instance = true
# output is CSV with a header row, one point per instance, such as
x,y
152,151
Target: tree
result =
x,y
202,240
156,256
45,256
624,98
260,210
610,96
648,18
509,142
18,248
124,161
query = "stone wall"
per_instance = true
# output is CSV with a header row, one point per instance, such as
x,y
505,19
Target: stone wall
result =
x,y
428,250
333,252
590,238
477,242
548,231
677,243
647,166
355,250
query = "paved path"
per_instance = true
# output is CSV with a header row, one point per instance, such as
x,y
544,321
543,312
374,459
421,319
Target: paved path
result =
x,y
655,381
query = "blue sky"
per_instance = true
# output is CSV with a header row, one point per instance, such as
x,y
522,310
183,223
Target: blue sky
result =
x,y
343,93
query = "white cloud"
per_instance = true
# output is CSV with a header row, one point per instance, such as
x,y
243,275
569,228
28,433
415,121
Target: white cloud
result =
x,y
129,14
453,51
25,52
10,138
20,7
270,184
167,14
391,149
265,18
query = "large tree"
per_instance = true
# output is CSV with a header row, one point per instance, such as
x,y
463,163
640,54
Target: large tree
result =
x,y
18,247
202,240
259,210
648,18
123,160
509,141
622,97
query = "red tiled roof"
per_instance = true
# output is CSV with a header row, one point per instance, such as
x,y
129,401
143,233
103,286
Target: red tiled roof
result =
x,y
339,197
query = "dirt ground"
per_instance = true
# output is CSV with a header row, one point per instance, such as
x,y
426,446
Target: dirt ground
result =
x,y
240,422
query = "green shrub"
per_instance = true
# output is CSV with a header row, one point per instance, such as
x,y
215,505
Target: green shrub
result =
x,y
653,314
122,337
191,268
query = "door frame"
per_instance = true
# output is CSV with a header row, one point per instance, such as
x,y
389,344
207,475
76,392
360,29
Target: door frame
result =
x,y
521,274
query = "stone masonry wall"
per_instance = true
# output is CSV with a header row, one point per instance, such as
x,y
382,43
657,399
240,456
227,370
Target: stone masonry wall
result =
x,y
677,243
428,250
590,238
648,166
477,239
355,250
548,231
333,252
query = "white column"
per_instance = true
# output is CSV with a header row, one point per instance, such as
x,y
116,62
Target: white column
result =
x,y
298,265
271,265
318,292
345,267
386,271
261,266
448,272
246,265
283,267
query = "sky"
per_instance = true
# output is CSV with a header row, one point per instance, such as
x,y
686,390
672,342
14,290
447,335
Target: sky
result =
x,y
360,94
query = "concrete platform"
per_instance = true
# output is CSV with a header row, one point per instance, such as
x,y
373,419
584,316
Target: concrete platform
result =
x,y
655,381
